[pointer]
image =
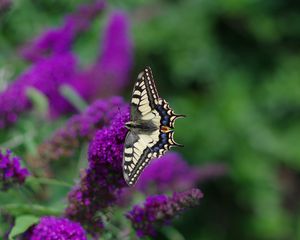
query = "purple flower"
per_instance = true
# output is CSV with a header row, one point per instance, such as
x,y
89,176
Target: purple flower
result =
x,y
79,129
47,76
109,75
116,58
11,172
160,210
53,41
100,183
54,65
85,14
172,173
13,101
59,40
168,173
53,228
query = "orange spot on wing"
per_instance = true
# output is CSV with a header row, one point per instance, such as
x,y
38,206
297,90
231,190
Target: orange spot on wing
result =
x,y
165,129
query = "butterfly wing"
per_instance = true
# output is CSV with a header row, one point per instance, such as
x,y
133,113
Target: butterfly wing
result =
x,y
144,97
136,155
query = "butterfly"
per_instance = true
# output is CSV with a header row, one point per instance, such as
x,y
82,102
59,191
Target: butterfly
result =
x,y
150,127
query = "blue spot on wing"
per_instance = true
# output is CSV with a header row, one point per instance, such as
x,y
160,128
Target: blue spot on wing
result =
x,y
166,120
165,117
164,137
161,143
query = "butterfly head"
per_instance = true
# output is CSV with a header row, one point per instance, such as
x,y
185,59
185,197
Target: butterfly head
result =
x,y
129,125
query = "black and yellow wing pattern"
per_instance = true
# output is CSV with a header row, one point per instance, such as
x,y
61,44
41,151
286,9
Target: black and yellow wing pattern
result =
x,y
151,126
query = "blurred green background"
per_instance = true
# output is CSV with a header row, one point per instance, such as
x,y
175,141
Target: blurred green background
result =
x,y
233,67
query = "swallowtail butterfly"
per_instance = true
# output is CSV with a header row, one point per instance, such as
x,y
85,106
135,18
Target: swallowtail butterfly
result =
x,y
150,127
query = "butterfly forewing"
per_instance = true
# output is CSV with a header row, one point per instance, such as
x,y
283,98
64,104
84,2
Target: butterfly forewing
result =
x,y
144,96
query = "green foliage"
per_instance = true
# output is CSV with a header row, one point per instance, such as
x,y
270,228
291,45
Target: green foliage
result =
x,y
38,100
73,97
36,210
22,224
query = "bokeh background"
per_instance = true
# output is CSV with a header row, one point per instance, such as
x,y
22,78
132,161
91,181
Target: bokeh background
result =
x,y
231,66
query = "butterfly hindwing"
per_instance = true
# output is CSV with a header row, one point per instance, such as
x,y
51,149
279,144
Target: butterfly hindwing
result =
x,y
164,144
137,155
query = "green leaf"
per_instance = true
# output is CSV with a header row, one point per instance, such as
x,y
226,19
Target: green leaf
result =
x,y
39,100
74,98
47,181
29,209
172,233
22,223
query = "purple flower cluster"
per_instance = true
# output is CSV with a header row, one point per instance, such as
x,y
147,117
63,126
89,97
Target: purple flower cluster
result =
x,y
109,74
80,128
46,76
168,173
11,172
116,57
12,102
59,40
53,228
54,65
172,173
160,210
85,13
50,43
100,183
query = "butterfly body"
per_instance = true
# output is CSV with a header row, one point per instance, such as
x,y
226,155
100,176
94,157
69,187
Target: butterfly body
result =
x,y
151,127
